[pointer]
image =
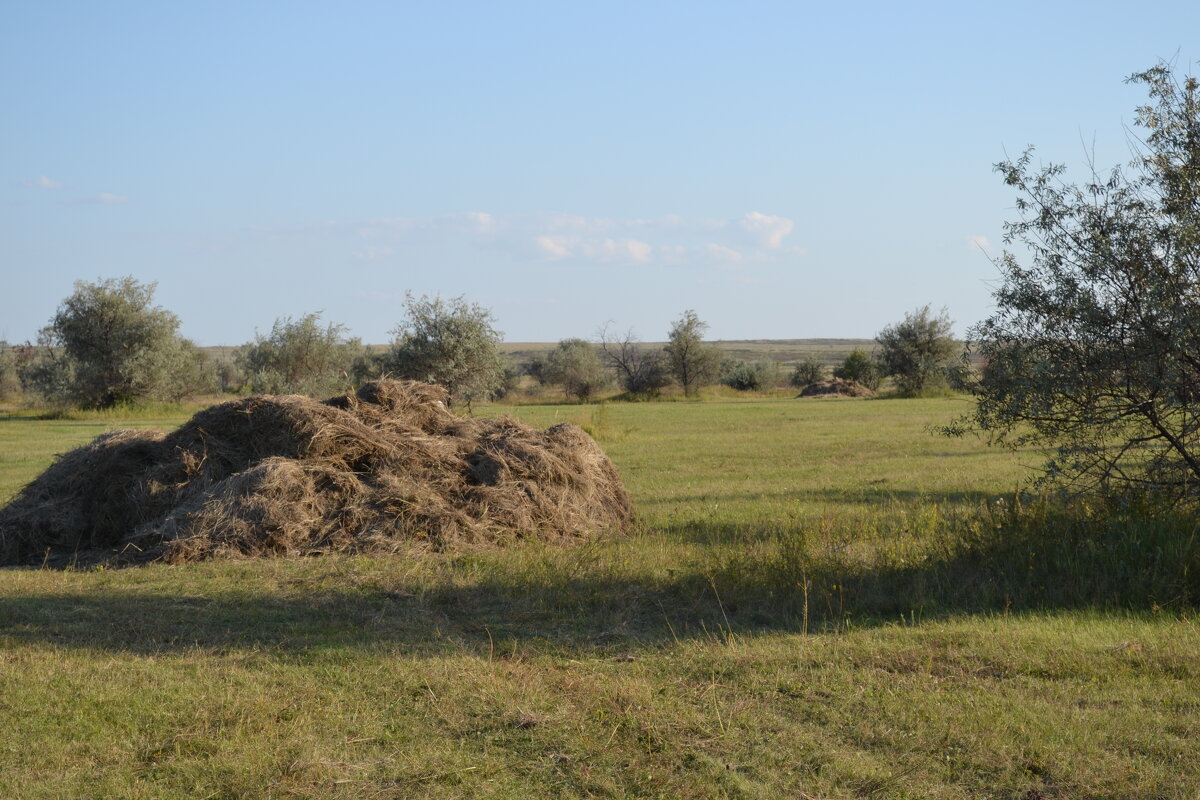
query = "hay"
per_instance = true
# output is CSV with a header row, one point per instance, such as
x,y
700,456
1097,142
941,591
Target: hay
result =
x,y
373,471
837,387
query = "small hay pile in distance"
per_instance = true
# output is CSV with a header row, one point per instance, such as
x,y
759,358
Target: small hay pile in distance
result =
x,y
837,387
372,471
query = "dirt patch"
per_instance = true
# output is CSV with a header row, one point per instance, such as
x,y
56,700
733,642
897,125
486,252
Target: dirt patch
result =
x,y
837,387
373,471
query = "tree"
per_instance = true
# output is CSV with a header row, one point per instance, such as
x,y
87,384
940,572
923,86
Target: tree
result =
x,y
692,362
449,342
300,356
858,366
639,369
917,350
108,344
810,370
1093,352
575,365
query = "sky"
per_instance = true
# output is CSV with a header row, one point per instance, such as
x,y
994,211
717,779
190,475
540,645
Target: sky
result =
x,y
785,169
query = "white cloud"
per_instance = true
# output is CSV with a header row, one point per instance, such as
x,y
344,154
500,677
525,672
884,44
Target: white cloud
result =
x,y
979,243
554,246
768,230
41,182
372,253
110,199
668,241
724,255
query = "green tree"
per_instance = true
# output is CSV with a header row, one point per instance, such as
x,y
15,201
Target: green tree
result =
x,y
109,344
448,342
810,370
301,356
859,367
918,350
576,366
689,360
10,383
1093,352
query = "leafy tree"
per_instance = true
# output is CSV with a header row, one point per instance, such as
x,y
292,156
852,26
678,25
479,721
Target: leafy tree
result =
x,y
108,344
1094,349
858,366
692,362
918,350
639,369
449,342
810,370
300,356
576,366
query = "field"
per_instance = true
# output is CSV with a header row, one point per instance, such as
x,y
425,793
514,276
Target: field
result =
x,y
823,601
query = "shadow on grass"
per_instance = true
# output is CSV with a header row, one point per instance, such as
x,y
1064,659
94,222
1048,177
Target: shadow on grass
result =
x,y
560,603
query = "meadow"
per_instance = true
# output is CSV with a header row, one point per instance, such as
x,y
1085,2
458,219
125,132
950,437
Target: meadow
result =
x,y
822,600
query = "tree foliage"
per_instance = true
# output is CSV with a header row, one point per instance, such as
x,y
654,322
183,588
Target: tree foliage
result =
x,y
1094,349
640,370
858,366
917,351
752,376
302,356
449,342
809,371
108,344
689,360
575,365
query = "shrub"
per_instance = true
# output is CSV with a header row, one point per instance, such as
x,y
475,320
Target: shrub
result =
x,y
108,344
859,367
917,350
300,356
448,342
809,371
575,365
752,376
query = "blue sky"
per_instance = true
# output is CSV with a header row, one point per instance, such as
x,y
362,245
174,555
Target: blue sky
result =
x,y
785,169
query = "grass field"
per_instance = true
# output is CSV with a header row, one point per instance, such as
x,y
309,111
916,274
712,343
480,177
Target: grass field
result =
x,y
823,601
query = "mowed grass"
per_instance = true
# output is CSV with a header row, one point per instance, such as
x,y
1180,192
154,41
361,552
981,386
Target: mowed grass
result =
x,y
812,608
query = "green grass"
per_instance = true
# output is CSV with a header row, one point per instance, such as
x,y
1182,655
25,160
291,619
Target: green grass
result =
x,y
815,607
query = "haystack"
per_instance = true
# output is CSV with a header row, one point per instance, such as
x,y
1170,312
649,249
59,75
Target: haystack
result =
x,y
372,471
837,387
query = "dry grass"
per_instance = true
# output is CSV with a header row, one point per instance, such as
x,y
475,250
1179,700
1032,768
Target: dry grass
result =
x,y
372,471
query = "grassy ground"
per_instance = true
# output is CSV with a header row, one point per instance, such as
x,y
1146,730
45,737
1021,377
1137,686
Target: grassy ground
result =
x,y
815,607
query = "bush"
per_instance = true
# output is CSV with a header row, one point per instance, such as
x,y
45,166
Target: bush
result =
x,y
809,371
641,370
10,380
109,345
752,377
917,351
575,365
300,356
452,343
859,367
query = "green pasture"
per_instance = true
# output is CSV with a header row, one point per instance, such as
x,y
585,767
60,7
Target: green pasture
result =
x,y
823,600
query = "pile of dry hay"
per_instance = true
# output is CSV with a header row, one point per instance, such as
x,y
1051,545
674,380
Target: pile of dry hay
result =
x,y
838,387
290,475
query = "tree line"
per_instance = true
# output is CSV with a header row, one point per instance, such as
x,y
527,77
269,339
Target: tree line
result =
x,y
108,344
